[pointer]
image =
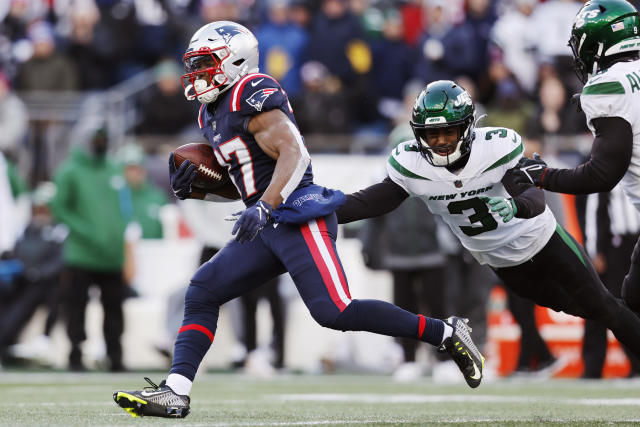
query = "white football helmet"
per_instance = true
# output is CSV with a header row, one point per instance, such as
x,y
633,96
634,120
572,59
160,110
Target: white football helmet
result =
x,y
219,54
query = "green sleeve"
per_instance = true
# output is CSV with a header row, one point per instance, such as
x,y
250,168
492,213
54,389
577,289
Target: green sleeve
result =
x,y
62,206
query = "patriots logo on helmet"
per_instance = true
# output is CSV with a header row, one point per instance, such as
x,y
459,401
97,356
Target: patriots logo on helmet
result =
x,y
256,100
227,32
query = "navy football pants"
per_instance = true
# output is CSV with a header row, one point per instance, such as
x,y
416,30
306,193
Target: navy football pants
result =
x,y
309,254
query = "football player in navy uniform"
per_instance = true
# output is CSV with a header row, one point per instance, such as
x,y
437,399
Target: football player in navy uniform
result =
x,y
289,222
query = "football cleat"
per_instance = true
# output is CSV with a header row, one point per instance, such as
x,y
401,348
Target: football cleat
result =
x,y
463,351
155,401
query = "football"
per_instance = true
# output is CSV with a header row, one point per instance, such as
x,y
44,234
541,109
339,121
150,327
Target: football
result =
x,y
211,176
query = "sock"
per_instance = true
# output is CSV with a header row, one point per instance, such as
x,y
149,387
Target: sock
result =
x,y
196,334
448,331
179,384
430,330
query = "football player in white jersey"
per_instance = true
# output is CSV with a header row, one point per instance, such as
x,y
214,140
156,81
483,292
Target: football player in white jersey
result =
x,y
465,175
606,45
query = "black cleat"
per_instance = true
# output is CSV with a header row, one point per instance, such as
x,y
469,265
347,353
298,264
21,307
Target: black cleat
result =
x,y
154,401
463,351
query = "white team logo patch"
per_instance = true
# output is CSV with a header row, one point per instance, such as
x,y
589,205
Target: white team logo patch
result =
x,y
256,100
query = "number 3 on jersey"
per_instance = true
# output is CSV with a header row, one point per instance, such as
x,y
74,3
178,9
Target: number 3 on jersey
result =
x,y
237,147
480,214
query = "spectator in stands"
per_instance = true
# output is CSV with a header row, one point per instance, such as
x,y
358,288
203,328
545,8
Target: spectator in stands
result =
x,y
612,227
392,61
14,24
513,39
347,57
344,29
282,45
14,119
113,36
162,107
92,53
321,107
508,108
479,19
141,200
300,13
434,62
89,202
220,10
154,38
554,115
554,19
47,69
39,250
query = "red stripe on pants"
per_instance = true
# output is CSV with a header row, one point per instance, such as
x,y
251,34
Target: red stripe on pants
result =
x,y
327,241
196,327
322,267
422,322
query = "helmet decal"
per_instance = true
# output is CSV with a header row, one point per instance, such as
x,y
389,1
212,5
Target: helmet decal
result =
x,y
228,31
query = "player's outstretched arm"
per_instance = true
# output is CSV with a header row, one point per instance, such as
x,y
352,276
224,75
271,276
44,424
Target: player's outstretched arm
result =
x,y
610,158
280,139
375,200
528,199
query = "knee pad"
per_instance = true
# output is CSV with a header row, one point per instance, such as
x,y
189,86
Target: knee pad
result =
x,y
198,300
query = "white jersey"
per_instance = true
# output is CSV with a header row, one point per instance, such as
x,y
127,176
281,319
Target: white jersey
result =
x,y
615,92
455,197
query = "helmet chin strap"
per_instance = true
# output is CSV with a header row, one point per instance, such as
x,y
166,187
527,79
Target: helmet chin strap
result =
x,y
446,160
187,93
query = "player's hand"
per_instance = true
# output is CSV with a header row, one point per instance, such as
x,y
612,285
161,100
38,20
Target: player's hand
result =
x,y
181,178
506,208
251,221
531,171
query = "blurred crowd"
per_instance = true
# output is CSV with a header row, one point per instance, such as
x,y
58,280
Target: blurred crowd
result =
x,y
345,64
351,68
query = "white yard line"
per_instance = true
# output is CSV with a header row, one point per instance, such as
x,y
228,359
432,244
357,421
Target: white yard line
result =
x,y
443,398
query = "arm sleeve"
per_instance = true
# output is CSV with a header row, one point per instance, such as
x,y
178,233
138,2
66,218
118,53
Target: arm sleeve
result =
x,y
372,201
529,199
610,158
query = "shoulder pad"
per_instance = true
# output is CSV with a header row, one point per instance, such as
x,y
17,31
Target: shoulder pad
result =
x,y
403,159
604,83
255,93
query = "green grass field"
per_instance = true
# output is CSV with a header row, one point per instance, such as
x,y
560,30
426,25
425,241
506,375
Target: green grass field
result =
x,y
62,399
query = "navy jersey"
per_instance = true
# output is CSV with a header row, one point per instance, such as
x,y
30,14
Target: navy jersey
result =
x,y
225,125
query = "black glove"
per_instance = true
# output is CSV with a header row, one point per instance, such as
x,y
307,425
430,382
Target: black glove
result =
x,y
251,221
181,178
530,171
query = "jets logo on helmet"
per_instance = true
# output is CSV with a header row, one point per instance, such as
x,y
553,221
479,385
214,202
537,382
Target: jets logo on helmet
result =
x,y
218,56
603,32
443,111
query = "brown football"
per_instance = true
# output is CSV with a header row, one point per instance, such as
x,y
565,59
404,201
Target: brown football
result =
x,y
211,176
